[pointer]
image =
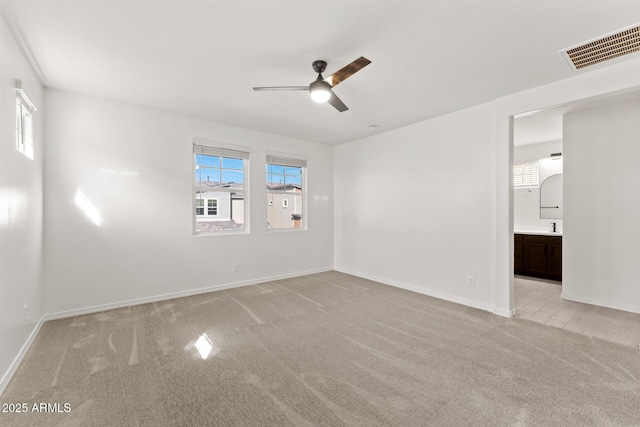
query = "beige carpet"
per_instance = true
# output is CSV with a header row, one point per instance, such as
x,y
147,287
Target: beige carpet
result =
x,y
327,349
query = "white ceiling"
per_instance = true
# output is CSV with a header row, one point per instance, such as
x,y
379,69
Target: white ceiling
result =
x,y
546,125
543,126
202,57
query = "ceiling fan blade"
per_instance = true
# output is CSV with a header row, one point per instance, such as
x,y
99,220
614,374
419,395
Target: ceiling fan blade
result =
x,y
337,103
345,72
281,88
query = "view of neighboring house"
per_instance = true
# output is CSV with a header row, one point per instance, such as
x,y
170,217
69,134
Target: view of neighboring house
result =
x,y
219,210
284,206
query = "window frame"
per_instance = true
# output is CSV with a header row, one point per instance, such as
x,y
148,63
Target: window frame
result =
x,y
287,161
25,110
223,151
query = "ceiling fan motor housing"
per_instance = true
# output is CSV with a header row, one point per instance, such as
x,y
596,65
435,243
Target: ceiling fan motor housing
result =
x,y
319,66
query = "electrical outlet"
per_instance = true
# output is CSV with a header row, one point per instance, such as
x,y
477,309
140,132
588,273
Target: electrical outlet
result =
x,y
471,281
236,267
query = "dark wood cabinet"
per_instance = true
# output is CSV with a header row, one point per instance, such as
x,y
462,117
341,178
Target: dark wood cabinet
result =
x,y
538,256
554,259
518,264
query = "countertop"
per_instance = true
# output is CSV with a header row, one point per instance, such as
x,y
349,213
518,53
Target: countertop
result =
x,y
538,232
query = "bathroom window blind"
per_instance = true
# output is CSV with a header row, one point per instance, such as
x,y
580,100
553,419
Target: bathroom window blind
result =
x,y
525,174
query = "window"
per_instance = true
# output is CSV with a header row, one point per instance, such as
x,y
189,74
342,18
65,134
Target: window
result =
x,y
285,186
212,209
24,122
219,189
525,174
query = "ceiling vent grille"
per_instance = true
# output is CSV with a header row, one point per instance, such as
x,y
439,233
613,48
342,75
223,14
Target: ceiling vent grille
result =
x,y
606,48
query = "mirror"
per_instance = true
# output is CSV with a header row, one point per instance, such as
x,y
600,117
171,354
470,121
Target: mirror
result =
x,y
551,197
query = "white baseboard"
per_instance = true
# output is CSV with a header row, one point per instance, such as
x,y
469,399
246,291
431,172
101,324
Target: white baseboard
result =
x,y
4,382
600,304
504,313
428,292
172,295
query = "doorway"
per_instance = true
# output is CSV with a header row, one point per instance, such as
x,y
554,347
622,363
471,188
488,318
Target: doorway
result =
x,y
542,300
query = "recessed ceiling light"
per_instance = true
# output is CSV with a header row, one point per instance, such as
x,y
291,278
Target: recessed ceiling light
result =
x,y
373,127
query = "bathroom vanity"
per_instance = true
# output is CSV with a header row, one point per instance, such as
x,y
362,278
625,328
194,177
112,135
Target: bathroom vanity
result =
x,y
538,254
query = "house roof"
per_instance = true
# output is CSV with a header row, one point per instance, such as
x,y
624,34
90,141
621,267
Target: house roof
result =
x,y
284,187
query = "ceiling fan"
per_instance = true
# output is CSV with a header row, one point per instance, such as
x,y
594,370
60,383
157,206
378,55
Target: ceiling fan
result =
x,y
320,88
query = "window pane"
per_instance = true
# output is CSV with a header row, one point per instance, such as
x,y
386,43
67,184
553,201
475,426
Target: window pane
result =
x,y
234,179
276,169
293,176
296,180
203,160
229,163
28,149
27,125
19,124
24,129
291,170
282,177
274,181
207,177
284,211
225,211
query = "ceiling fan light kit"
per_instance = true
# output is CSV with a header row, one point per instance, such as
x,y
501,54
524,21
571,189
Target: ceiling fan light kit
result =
x,y
320,89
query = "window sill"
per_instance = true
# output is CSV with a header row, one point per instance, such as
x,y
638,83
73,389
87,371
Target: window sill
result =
x,y
221,233
285,230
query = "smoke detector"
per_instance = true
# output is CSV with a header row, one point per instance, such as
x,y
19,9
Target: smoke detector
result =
x,y
604,48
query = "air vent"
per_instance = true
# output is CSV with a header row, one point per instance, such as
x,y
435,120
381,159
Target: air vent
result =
x,y
605,48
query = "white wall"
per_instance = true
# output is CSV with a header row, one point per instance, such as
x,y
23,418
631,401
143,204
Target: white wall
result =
x,y
529,152
526,201
145,247
20,209
446,238
602,207
414,207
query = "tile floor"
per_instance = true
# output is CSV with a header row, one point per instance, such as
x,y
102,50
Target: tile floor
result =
x,y
540,301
